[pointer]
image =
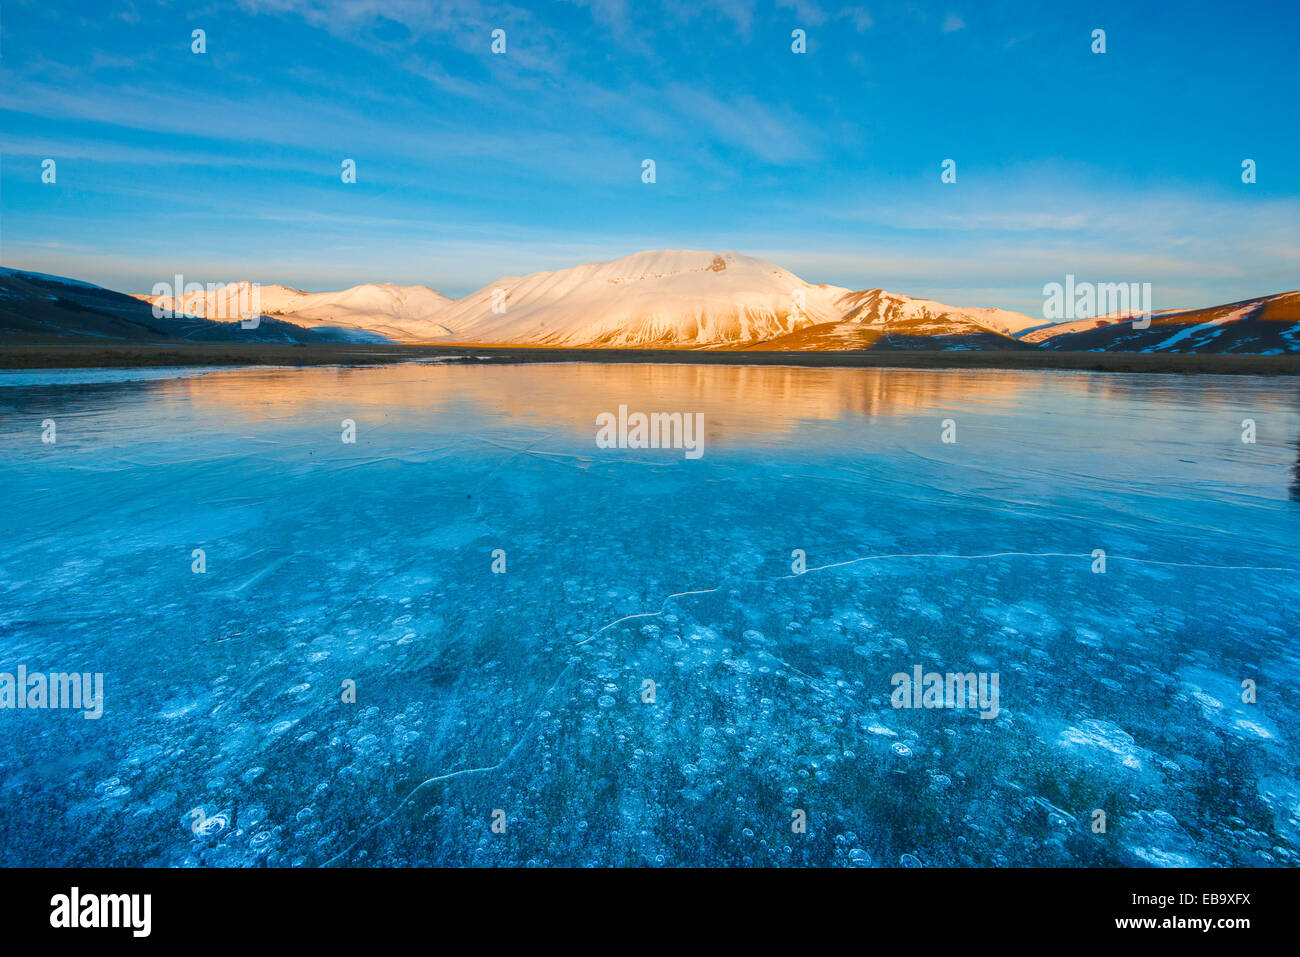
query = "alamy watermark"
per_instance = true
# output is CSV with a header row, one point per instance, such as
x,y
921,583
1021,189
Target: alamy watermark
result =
x,y
224,302
39,691
953,689
75,909
1092,300
651,430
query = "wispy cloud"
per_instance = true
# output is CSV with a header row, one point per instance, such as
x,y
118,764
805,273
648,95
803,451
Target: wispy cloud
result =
x,y
473,164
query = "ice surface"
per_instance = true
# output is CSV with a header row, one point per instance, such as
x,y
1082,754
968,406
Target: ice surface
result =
x,y
224,739
47,377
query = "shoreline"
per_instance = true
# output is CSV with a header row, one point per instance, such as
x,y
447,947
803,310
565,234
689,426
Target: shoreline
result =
x,y
152,355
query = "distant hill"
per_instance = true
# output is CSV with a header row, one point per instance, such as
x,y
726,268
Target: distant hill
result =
x,y
673,299
37,305
397,313
1265,326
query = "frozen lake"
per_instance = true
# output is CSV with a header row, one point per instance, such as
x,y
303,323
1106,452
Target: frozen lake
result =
x,y
233,568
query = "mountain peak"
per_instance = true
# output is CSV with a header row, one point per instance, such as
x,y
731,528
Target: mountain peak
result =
x,y
670,298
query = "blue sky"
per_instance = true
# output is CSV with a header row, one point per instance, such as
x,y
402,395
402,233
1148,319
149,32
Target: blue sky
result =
x,y
1124,166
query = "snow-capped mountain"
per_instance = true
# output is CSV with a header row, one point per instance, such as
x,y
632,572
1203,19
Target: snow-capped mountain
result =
x,y
667,299
876,319
692,299
39,305
877,307
664,298
400,313
1269,325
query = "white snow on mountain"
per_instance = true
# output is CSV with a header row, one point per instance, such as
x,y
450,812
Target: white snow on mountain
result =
x,y
669,298
878,307
666,298
401,313
1061,327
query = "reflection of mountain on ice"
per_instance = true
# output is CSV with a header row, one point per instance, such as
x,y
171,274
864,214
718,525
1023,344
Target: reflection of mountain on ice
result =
x,y
740,402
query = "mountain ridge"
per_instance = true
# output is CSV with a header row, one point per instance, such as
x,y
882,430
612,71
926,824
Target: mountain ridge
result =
x,y
686,299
